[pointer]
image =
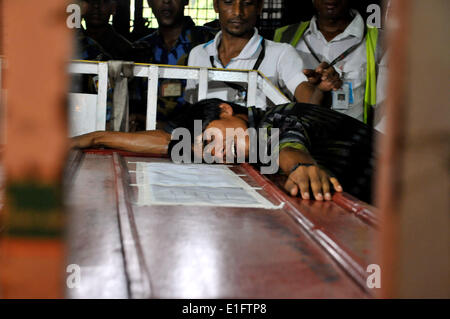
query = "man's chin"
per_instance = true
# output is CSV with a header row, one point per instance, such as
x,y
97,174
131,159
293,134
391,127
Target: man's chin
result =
x,y
238,32
167,22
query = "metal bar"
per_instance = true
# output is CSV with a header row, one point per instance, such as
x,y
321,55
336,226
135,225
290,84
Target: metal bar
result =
x,y
203,84
102,96
256,82
152,97
271,92
252,88
168,72
83,67
228,75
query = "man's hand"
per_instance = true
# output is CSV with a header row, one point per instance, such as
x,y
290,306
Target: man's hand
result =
x,y
300,180
305,176
324,77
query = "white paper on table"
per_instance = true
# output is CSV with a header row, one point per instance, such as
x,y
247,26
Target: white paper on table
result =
x,y
194,185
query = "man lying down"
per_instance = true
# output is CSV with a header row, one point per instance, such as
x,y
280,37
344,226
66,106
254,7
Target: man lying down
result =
x,y
320,150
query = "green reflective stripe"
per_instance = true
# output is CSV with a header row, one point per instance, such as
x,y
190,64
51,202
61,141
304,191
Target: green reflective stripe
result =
x,y
370,95
279,33
294,145
301,29
291,33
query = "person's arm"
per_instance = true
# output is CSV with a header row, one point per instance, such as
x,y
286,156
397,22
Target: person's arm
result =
x,y
150,142
321,80
305,176
308,93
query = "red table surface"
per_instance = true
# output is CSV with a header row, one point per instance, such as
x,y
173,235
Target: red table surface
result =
x,y
306,249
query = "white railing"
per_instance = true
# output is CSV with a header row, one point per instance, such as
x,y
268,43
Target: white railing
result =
x,y
255,80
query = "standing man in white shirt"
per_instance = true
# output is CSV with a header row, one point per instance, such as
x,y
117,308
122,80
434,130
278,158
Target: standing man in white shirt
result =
x,y
239,46
339,36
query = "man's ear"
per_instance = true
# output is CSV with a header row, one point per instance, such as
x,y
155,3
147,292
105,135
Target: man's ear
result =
x,y
186,2
226,110
216,5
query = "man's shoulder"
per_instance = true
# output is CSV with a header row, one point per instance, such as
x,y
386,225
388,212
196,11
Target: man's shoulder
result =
x,y
278,49
199,35
201,51
204,34
277,45
116,37
149,39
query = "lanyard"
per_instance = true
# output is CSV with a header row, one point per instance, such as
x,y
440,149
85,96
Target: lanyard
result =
x,y
340,57
258,62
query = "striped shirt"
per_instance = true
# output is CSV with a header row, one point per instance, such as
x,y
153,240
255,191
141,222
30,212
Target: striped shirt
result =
x,y
151,49
339,144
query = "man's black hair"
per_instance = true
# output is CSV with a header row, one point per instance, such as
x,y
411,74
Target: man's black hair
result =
x,y
207,111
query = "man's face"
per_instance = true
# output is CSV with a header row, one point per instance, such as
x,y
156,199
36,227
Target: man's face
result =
x,y
332,9
238,17
97,12
225,135
168,12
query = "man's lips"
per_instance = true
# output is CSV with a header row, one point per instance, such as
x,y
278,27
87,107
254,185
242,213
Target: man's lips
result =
x,y
237,22
166,13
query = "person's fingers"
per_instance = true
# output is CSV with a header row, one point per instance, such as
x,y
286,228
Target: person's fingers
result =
x,y
316,184
337,186
322,66
300,177
337,84
325,185
312,76
329,74
309,72
291,187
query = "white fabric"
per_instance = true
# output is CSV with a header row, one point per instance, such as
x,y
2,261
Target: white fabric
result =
x,y
119,72
281,65
352,68
380,110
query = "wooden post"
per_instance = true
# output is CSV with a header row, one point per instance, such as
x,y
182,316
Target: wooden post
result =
x,y
413,179
37,45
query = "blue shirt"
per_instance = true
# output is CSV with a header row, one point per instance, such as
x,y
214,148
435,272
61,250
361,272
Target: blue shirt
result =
x,y
151,49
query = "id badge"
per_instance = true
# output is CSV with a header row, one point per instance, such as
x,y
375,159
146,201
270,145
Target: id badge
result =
x,y
171,89
341,97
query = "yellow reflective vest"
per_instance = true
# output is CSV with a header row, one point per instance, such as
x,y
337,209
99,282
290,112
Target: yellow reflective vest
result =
x,y
293,33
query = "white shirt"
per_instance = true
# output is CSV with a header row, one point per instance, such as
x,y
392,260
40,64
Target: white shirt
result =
x,y
352,68
281,65
380,110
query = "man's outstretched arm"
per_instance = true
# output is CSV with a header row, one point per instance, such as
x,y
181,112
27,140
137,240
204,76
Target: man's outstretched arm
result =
x,y
150,142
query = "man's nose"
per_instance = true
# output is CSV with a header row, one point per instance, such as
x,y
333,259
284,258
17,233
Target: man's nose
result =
x,y
237,8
